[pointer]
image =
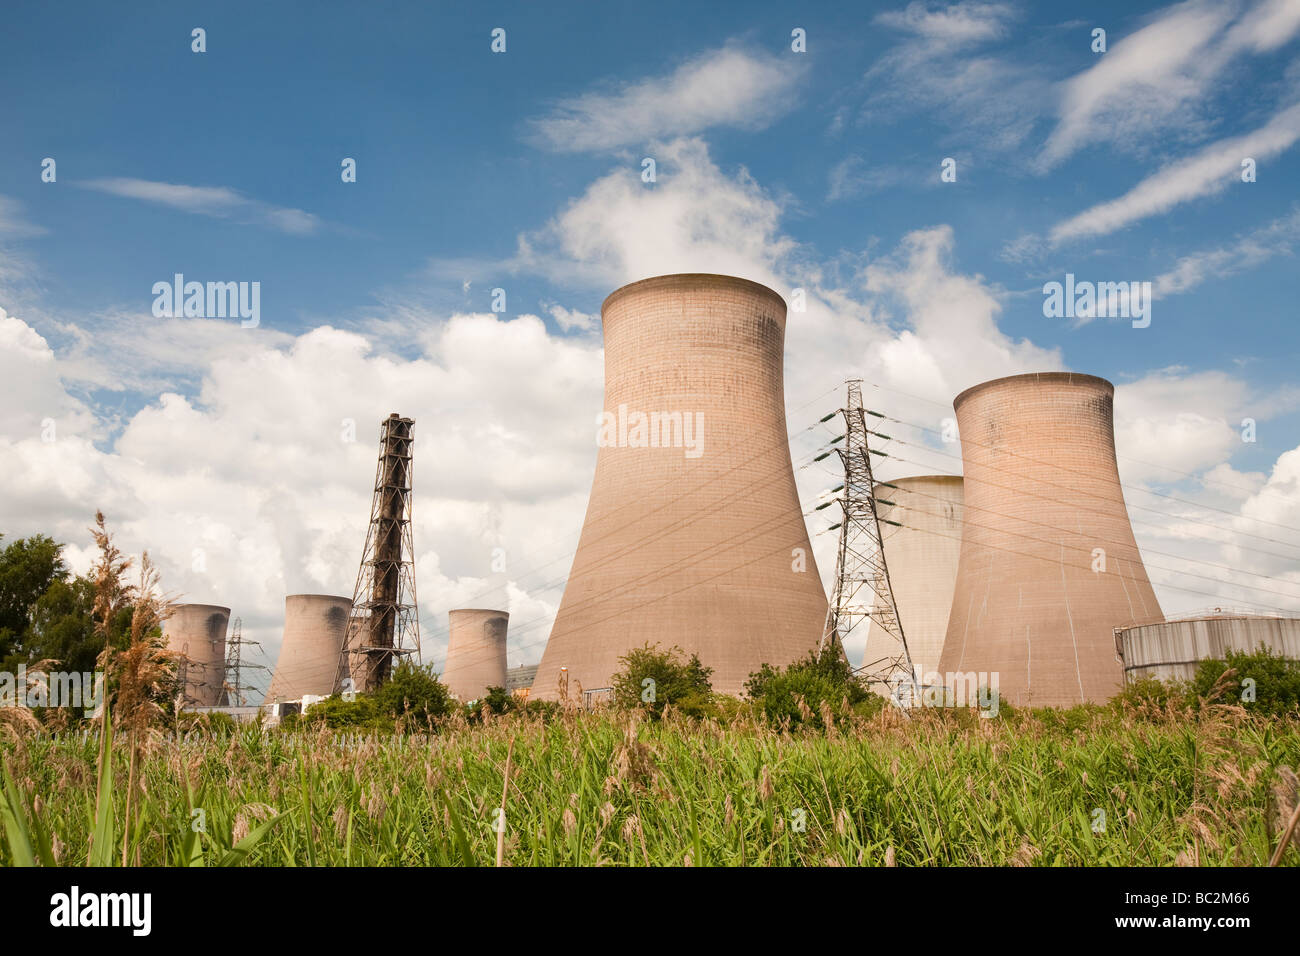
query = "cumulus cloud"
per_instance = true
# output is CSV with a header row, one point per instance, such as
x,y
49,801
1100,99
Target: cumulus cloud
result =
x,y
219,202
726,87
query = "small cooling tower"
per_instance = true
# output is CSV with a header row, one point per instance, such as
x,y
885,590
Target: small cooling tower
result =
x,y
476,652
197,632
922,558
694,535
314,628
1049,566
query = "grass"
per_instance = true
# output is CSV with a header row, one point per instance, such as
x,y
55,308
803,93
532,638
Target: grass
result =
x,y
608,789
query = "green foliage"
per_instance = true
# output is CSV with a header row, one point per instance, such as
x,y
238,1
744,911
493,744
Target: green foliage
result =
x,y
676,680
1276,681
497,700
415,694
28,566
339,714
817,682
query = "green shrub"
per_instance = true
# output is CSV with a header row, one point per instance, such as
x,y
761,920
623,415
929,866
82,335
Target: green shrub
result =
x,y
1275,688
817,680
651,679
414,693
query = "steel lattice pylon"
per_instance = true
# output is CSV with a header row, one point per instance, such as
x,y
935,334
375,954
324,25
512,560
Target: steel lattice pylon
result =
x,y
862,590
384,622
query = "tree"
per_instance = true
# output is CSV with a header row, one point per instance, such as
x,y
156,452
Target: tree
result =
x,y
414,692
28,567
1275,681
651,679
827,679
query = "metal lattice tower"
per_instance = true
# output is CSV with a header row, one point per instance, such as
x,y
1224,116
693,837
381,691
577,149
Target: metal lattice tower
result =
x,y
862,589
233,690
384,623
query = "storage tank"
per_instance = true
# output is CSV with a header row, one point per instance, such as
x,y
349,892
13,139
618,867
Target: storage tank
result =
x,y
476,652
694,535
922,559
1048,565
1171,650
197,632
314,628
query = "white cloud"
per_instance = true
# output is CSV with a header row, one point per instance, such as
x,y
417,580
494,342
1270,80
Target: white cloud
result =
x,y
955,25
726,87
1245,252
219,202
1209,171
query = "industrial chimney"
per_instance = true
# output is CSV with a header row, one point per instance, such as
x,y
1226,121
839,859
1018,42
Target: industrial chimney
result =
x,y
197,632
922,558
1049,566
314,628
476,652
694,535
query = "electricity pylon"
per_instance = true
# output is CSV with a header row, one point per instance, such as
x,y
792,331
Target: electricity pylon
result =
x,y
862,590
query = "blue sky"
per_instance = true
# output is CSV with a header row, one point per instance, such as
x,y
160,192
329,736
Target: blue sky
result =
x,y
521,170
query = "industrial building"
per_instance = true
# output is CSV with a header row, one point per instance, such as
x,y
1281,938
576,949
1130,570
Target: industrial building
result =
x,y
314,628
476,652
922,557
197,633
1048,565
1172,650
519,679
694,534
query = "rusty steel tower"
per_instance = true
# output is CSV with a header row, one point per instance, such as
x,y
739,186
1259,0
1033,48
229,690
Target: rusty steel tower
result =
x,y
384,623
862,590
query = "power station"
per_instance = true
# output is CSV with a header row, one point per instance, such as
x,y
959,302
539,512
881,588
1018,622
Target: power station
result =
x,y
1048,565
315,626
922,543
476,652
694,536
197,634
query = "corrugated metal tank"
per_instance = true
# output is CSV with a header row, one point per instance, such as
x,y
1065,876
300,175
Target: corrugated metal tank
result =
x,y
198,633
314,628
697,543
922,558
1049,566
476,652
1171,650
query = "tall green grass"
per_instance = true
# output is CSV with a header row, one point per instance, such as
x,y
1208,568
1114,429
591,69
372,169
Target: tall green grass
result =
x,y
940,789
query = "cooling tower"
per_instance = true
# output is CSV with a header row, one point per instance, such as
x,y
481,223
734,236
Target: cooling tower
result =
x,y
693,535
314,628
922,559
1048,565
476,652
198,633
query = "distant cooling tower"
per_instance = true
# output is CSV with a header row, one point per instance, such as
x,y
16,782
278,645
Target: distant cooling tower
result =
x,y
314,628
1049,566
694,535
198,633
922,558
476,652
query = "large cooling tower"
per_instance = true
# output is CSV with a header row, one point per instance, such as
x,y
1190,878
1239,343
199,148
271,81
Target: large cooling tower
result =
x,y
693,535
922,559
314,628
476,652
1048,566
198,633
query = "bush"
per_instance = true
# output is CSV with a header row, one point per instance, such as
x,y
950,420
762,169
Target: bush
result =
x,y
337,713
1276,681
817,680
676,680
415,693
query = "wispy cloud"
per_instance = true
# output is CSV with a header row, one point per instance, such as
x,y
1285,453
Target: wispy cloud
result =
x,y
1245,252
13,225
726,87
1208,171
1161,78
218,202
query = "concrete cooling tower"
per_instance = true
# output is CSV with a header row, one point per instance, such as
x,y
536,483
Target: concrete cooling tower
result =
x,y
314,628
694,535
476,652
922,558
198,633
1049,567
